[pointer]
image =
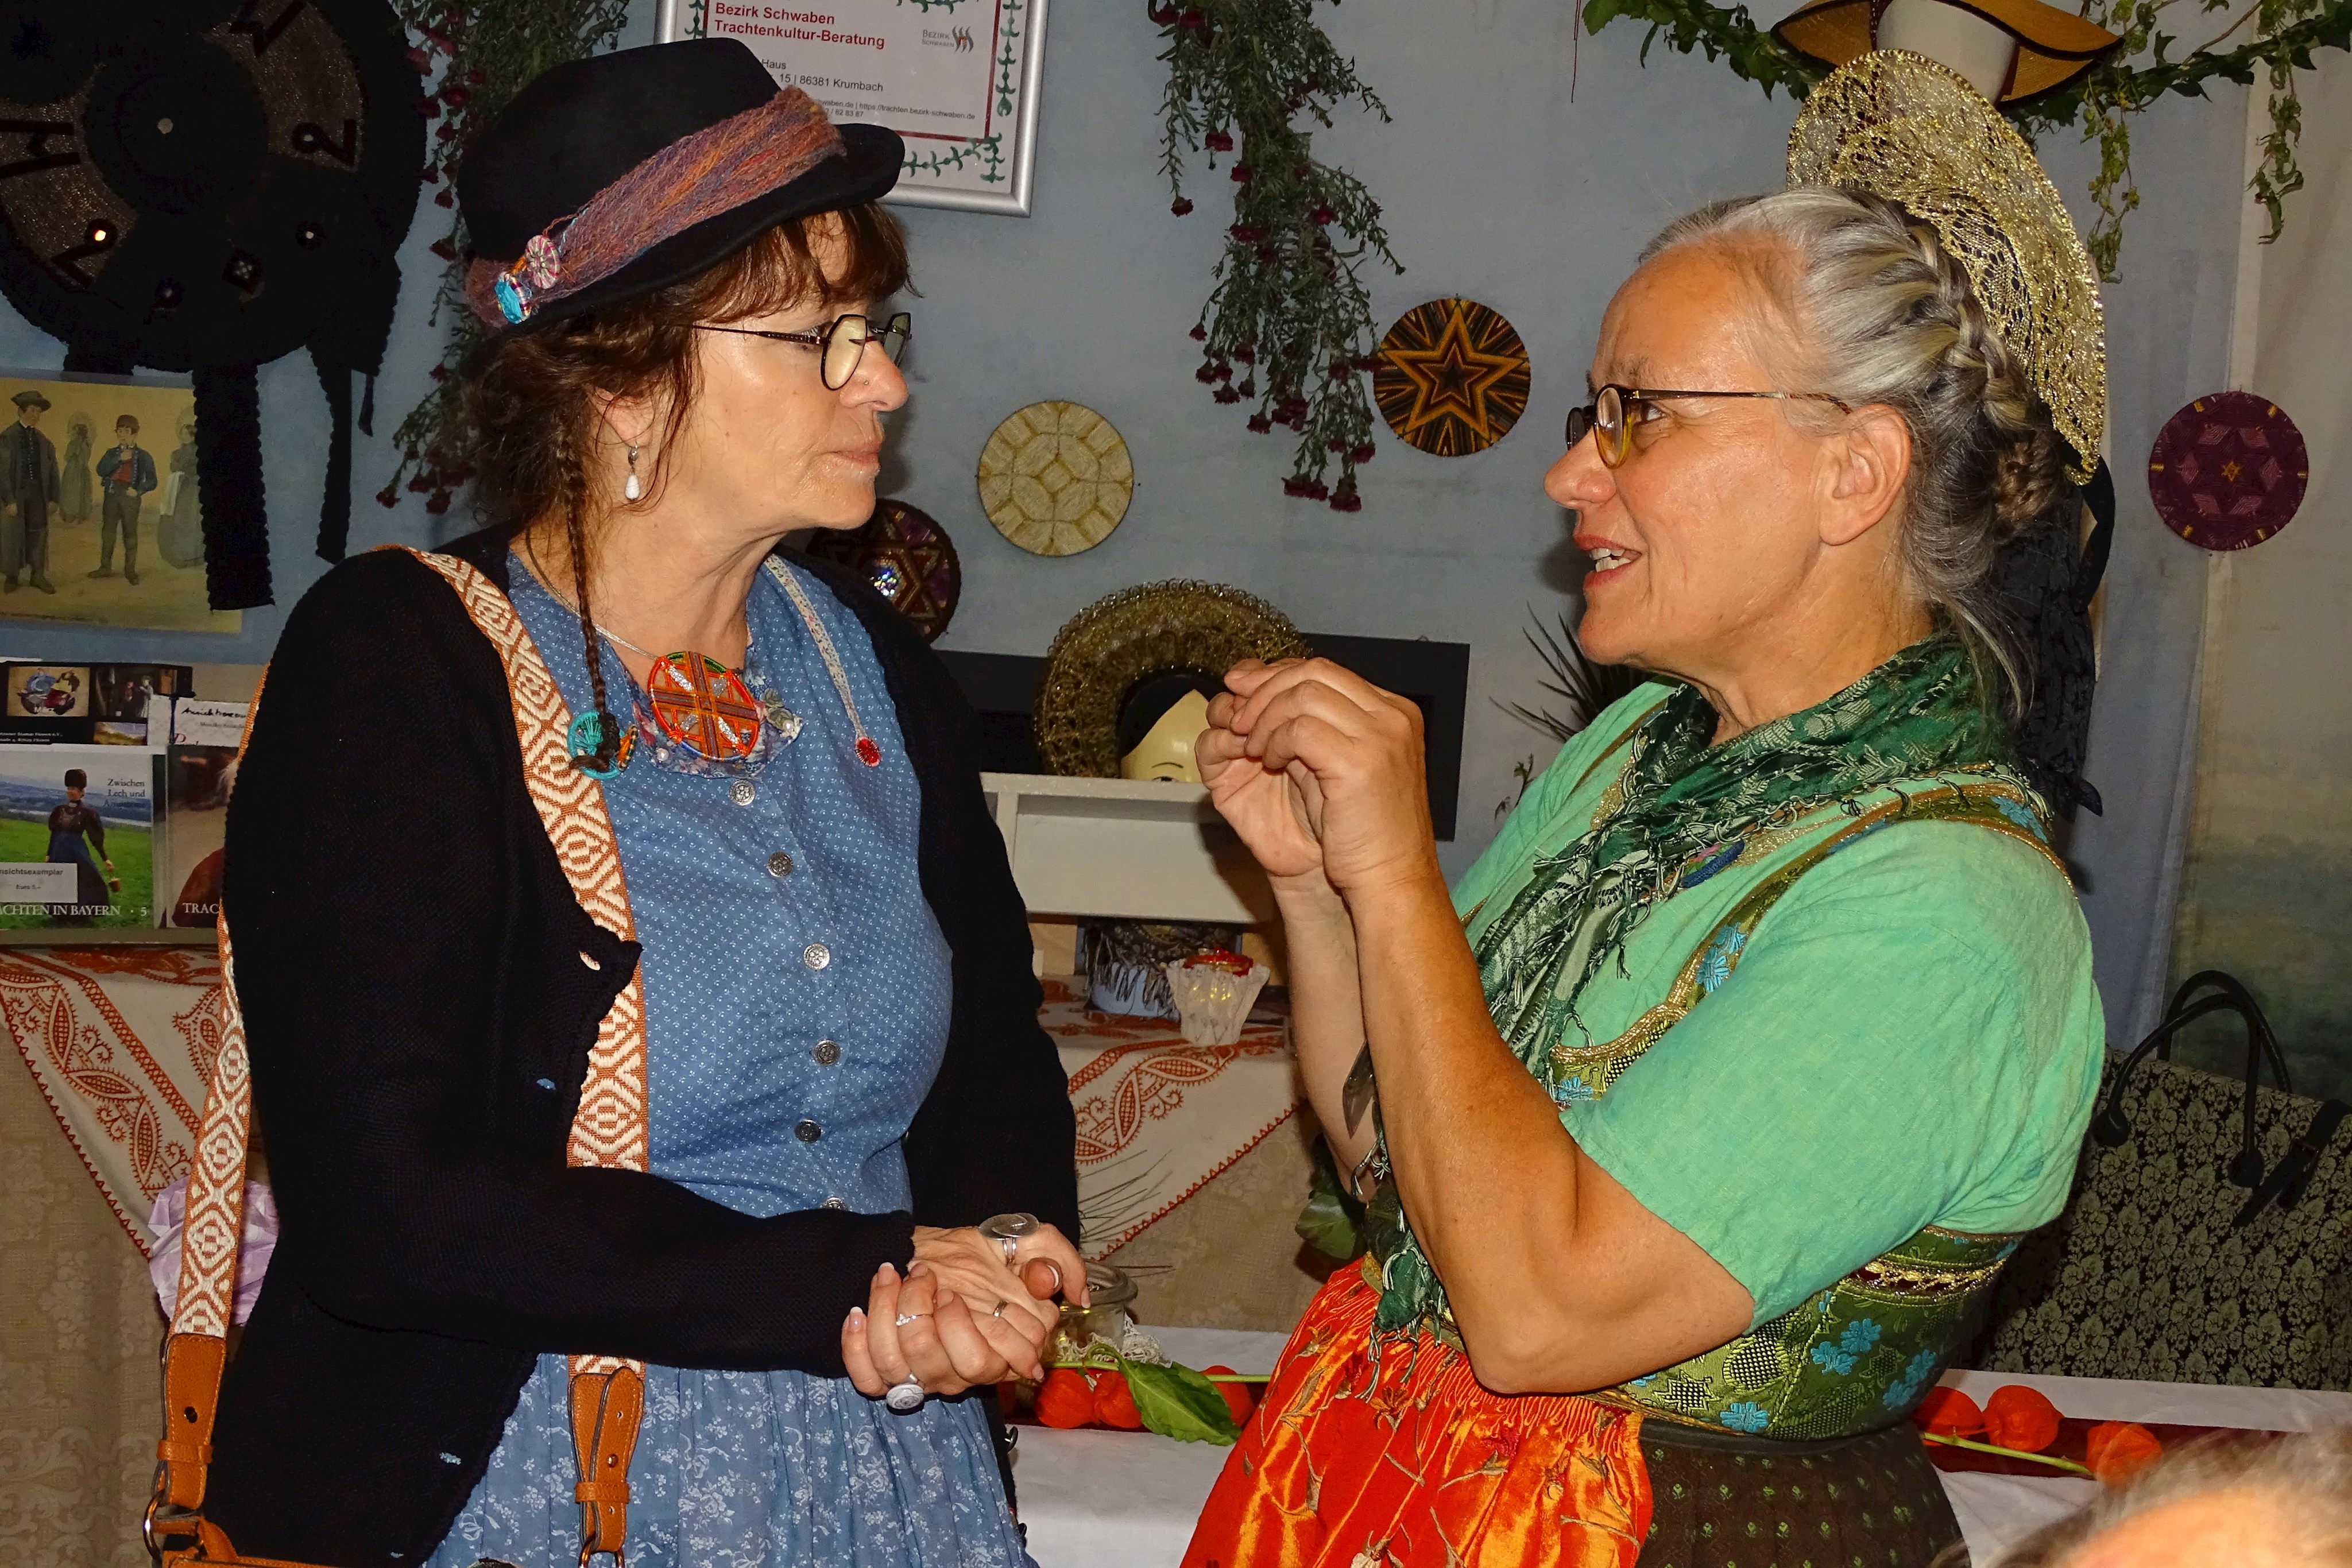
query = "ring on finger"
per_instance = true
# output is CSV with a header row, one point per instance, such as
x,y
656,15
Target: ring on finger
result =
x,y
905,1318
1007,1229
1000,1309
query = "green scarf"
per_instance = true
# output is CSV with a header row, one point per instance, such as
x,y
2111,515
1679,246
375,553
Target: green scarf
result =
x,y
1683,810
1687,804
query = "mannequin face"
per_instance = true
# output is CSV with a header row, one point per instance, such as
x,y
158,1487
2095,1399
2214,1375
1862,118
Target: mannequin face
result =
x,y
1165,752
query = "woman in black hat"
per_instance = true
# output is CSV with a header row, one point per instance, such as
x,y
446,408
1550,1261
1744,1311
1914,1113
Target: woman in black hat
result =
x,y
770,803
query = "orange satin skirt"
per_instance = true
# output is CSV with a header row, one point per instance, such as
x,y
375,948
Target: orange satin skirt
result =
x,y
1406,1462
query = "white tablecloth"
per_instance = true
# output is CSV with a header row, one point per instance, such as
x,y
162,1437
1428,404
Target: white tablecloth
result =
x,y
1128,1499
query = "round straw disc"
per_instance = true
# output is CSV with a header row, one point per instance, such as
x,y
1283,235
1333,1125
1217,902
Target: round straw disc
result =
x,y
1056,478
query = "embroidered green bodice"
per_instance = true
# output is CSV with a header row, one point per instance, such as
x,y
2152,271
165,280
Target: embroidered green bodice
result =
x,y
1670,869
1861,1352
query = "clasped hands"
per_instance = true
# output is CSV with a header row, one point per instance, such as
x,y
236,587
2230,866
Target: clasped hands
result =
x,y
962,1315
1321,773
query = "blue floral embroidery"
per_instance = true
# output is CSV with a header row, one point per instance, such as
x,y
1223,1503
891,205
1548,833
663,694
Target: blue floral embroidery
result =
x,y
1840,1355
1922,1367
1574,1091
2018,814
1745,1417
1714,965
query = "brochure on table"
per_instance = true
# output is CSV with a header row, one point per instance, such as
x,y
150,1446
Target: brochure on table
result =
x,y
111,828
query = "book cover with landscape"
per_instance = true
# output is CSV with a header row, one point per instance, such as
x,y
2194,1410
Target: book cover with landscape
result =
x,y
77,837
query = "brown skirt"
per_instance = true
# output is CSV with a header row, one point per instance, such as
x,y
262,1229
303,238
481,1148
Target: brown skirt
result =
x,y
1722,1501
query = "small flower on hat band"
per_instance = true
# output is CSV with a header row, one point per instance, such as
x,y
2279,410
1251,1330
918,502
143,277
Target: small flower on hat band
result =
x,y
533,273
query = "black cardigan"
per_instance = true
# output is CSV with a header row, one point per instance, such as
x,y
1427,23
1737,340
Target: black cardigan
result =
x,y
419,1007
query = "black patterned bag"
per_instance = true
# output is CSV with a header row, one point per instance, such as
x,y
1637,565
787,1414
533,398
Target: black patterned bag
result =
x,y
2208,1238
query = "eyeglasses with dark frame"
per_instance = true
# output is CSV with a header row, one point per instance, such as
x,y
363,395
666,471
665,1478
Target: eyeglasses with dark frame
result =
x,y
842,342
1611,416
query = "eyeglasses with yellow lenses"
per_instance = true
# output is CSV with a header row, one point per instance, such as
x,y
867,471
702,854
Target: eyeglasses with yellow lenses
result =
x,y
1614,410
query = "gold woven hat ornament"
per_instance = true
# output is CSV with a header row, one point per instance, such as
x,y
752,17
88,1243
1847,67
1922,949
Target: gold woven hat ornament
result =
x,y
2053,46
1123,639
1900,126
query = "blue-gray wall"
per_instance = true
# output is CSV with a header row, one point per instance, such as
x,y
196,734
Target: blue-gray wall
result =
x,y
1496,186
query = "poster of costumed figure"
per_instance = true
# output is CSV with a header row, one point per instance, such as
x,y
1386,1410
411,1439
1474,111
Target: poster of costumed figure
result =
x,y
100,522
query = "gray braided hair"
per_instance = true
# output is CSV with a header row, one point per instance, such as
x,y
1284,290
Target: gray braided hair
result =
x,y
1874,309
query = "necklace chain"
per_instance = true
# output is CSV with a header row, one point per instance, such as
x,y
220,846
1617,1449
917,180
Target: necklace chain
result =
x,y
825,648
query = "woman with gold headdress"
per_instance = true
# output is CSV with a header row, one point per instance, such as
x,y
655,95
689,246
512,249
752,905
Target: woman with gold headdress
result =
x,y
1698,1119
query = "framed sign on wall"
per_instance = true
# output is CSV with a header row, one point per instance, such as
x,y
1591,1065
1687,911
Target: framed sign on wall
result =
x,y
958,79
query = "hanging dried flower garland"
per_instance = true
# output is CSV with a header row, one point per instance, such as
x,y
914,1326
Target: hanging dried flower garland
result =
x,y
1287,306
478,55
2281,37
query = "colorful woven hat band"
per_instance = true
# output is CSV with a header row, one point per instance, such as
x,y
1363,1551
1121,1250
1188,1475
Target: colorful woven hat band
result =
x,y
691,181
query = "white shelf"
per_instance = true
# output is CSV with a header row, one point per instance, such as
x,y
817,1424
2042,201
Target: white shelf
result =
x,y
1125,849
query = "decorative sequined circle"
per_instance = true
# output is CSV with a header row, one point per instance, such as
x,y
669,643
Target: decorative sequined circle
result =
x,y
700,703
2228,471
908,558
1056,478
1452,377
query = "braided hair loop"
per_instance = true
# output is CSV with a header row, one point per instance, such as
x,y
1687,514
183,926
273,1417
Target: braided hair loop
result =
x,y
1873,307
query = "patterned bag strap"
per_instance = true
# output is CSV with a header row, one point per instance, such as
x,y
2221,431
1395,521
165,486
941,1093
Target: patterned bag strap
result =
x,y
609,1130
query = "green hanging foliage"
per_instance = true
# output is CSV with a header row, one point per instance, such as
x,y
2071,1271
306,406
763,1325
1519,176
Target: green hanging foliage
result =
x,y
2279,38
1288,309
478,55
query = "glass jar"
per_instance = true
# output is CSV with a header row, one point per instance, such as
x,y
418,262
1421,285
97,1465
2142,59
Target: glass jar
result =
x,y
1111,1295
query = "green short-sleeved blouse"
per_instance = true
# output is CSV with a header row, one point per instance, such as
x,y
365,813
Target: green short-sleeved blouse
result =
x,y
1911,1037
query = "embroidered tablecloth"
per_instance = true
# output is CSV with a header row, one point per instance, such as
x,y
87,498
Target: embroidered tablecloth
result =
x,y
120,1041
1159,1117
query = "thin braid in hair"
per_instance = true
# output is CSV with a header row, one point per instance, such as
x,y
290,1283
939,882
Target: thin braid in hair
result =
x,y
575,529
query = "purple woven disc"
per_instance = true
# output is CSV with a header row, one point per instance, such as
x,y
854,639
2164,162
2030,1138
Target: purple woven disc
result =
x,y
2228,471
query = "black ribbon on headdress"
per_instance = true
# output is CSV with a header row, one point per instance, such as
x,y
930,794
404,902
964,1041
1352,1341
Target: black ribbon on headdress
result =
x,y
2044,583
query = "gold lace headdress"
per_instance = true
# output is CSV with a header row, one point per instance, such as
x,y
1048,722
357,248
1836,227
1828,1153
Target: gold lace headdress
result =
x,y
1899,125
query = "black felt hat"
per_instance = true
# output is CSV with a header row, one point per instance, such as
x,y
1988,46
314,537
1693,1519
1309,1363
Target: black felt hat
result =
x,y
578,127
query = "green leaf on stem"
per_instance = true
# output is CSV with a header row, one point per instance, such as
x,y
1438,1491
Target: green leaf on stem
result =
x,y
1179,1403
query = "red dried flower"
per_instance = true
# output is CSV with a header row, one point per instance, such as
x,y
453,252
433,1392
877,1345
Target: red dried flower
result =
x,y
1240,173
1217,142
1323,215
1226,394
1262,425
1199,333
1180,205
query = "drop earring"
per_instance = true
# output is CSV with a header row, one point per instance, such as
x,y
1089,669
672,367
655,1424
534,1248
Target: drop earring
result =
x,y
632,490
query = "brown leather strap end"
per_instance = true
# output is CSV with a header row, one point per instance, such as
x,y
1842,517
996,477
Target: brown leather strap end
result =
x,y
191,1378
606,1407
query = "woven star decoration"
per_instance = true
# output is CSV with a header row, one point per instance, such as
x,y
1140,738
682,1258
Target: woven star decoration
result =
x,y
1452,377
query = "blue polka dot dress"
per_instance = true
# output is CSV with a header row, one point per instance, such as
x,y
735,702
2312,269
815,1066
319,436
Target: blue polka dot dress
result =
x,y
797,1005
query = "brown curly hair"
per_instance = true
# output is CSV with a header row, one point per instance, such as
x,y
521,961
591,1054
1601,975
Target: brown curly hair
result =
x,y
531,412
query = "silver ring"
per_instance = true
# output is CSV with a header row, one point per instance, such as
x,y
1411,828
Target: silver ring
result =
x,y
904,1397
905,1318
1000,1309
1007,1229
